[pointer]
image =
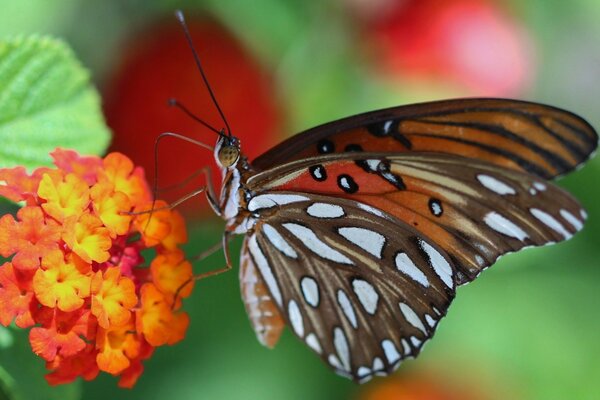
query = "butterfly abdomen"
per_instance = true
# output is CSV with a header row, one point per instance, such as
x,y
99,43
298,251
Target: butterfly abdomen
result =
x,y
262,311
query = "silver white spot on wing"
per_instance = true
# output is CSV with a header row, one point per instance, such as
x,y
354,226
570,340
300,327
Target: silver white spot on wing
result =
x,y
278,241
430,321
501,224
324,210
411,317
495,185
265,269
480,261
312,242
577,224
368,240
436,208
416,342
310,290
532,191
341,347
378,365
361,372
373,164
366,294
313,342
439,263
347,307
390,351
550,222
270,200
583,214
296,318
387,125
406,347
539,186
334,361
408,267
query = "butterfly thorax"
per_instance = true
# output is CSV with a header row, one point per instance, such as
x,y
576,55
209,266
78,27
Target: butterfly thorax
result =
x,y
234,194
236,170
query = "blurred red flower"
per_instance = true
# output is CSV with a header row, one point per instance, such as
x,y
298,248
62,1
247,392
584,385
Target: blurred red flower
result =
x,y
157,65
475,44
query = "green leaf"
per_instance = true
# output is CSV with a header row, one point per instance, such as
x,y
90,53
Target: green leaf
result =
x,y
46,101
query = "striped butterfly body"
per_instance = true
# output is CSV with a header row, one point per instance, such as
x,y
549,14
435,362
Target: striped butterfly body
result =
x,y
358,232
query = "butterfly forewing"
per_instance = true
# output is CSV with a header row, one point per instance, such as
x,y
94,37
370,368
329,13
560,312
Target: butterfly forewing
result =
x,y
542,140
361,288
474,210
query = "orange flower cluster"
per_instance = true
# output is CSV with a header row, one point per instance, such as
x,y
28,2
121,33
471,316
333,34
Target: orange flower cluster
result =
x,y
77,276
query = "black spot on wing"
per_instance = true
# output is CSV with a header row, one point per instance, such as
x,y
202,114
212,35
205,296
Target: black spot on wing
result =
x,y
353,147
318,173
389,128
356,148
435,207
325,146
347,183
383,169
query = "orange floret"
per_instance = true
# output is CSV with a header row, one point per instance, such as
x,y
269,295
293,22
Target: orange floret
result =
x,y
85,167
67,369
119,170
31,237
113,296
61,333
87,237
177,234
117,346
154,226
16,297
172,274
157,321
17,185
111,207
66,197
130,375
61,284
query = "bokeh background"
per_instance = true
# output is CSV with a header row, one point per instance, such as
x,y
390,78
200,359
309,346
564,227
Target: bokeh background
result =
x,y
529,328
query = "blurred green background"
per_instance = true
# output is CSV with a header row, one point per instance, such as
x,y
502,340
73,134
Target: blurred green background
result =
x,y
529,328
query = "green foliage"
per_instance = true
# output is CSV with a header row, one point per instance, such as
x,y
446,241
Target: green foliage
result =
x,y
22,373
46,101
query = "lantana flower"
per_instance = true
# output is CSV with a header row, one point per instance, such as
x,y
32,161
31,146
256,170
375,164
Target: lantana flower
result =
x,y
76,275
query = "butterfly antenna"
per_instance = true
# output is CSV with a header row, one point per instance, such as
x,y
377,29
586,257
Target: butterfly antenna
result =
x,y
176,103
180,17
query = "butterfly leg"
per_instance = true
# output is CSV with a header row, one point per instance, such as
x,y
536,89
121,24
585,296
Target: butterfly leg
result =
x,y
211,195
224,243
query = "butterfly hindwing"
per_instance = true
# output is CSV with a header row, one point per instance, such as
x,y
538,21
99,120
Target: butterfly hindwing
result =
x,y
542,140
361,288
474,210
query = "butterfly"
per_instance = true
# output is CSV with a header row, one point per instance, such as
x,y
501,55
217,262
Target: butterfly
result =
x,y
358,232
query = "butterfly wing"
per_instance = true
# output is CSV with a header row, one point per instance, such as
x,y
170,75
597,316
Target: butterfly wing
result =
x,y
361,288
474,210
542,140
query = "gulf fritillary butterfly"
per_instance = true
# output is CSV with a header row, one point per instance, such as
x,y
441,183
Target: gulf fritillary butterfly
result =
x,y
358,232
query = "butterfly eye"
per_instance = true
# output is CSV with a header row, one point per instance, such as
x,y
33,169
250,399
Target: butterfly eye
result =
x,y
228,155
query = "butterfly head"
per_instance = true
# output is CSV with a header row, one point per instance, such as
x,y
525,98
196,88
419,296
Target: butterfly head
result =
x,y
227,151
